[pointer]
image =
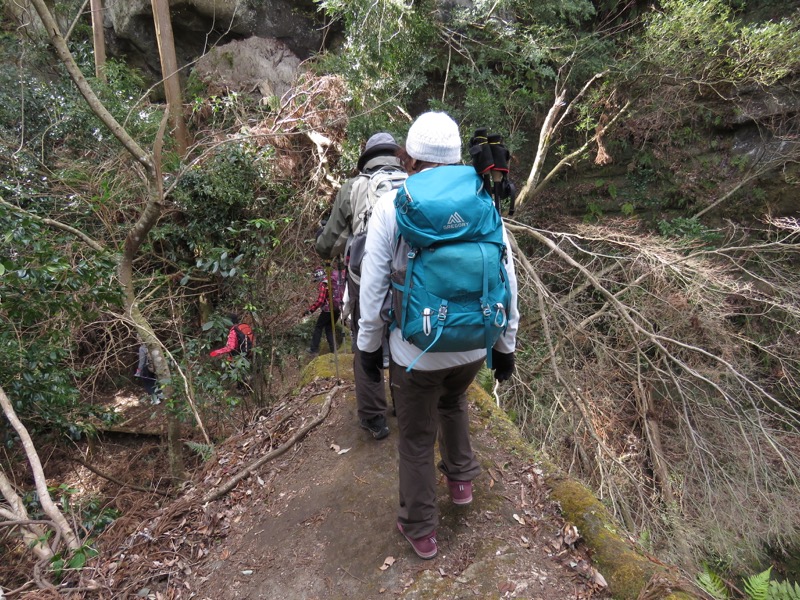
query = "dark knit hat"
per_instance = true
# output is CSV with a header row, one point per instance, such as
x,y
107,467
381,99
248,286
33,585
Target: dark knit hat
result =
x,y
379,142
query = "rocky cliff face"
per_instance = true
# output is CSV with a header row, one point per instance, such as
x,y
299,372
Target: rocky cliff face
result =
x,y
198,25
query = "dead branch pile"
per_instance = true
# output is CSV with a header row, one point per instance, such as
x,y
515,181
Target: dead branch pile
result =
x,y
304,132
666,376
141,551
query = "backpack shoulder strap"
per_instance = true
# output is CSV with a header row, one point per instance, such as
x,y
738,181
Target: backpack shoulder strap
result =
x,y
359,202
368,188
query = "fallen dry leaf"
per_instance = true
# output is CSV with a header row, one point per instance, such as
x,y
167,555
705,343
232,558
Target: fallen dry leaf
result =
x,y
570,534
518,519
598,579
335,447
507,586
387,562
224,554
340,452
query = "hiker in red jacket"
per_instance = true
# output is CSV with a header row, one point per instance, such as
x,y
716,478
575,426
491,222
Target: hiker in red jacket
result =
x,y
324,320
240,339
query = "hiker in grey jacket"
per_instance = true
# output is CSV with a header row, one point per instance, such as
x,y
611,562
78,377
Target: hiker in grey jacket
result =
x,y
431,399
146,374
379,152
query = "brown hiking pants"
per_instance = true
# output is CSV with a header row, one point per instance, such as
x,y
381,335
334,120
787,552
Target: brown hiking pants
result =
x,y
431,404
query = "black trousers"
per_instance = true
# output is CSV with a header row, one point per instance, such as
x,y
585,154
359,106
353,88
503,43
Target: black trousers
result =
x,y
370,394
148,381
324,323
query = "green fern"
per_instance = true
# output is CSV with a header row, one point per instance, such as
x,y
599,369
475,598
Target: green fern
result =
x,y
757,586
713,585
783,590
204,450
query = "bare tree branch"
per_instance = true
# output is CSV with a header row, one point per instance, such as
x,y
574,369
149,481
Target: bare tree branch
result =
x,y
48,506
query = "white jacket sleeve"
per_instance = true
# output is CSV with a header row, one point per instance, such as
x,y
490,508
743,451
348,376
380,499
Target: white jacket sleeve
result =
x,y
508,341
375,270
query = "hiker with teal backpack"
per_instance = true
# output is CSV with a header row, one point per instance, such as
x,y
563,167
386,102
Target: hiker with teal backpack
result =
x,y
438,267
344,233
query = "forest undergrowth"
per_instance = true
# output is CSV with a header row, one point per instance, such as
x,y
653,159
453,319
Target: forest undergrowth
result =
x,y
660,367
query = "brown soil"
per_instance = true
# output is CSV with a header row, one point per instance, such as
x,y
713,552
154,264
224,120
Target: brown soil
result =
x,y
318,521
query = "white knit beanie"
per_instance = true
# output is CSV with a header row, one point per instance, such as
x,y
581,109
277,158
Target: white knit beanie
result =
x,y
434,137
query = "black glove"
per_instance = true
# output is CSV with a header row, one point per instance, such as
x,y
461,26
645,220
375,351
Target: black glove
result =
x,y
321,228
372,363
503,365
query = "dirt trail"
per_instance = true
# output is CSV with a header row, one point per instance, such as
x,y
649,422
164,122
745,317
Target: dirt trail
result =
x,y
320,523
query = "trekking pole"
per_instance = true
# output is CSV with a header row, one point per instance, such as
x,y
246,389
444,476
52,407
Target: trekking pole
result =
x,y
333,320
500,168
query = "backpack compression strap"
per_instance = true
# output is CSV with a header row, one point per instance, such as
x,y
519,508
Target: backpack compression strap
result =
x,y
442,314
412,254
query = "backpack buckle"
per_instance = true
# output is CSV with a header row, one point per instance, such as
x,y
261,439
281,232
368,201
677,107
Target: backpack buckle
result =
x,y
500,318
442,312
487,311
427,313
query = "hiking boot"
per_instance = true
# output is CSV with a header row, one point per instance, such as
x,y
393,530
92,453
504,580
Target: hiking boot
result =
x,y
376,426
460,491
425,546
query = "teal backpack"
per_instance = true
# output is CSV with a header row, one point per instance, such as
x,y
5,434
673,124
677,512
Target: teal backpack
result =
x,y
450,286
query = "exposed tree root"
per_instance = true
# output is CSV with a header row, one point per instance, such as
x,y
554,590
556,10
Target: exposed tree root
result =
x,y
226,487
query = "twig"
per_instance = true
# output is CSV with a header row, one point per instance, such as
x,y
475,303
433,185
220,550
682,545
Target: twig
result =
x,y
351,575
247,470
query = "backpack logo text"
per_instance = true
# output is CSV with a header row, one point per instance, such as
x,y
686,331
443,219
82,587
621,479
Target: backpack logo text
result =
x,y
455,222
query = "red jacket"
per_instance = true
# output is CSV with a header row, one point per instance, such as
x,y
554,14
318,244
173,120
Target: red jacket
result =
x,y
322,298
231,344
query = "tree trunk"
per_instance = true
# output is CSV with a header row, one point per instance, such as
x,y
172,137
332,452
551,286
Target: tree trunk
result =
x,y
138,233
169,71
99,39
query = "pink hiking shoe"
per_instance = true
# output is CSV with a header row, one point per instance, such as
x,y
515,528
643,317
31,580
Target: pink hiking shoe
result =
x,y
425,546
460,491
